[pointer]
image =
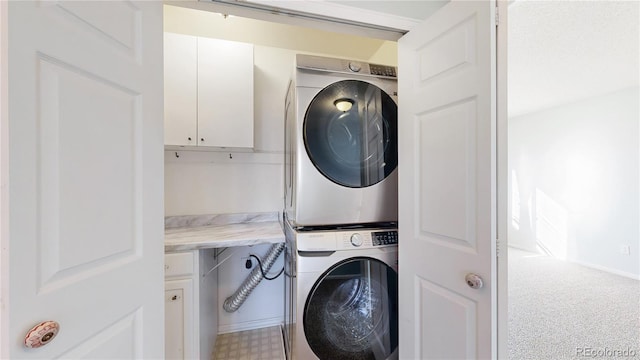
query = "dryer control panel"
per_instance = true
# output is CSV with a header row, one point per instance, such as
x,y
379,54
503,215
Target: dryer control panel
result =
x,y
382,70
325,64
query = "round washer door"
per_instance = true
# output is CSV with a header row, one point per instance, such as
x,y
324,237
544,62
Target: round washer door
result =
x,y
352,311
350,133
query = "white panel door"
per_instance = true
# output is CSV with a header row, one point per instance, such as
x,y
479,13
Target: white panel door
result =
x,y
82,171
448,184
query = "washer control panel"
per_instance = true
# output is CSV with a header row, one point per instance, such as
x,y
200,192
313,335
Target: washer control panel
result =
x,y
333,240
384,238
362,239
356,240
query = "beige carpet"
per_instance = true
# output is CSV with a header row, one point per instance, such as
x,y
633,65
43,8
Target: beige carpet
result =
x,y
560,310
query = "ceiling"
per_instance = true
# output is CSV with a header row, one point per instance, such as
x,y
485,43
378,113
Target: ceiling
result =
x,y
558,51
411,9
564,51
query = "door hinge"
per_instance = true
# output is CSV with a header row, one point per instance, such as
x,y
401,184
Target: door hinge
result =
x,y
497,16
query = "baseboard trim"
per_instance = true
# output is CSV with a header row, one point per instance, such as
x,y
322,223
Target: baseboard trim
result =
x,y
249,325
606,269
586,264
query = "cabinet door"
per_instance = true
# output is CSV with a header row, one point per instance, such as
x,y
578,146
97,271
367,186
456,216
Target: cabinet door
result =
x,y
179,320
225,93
180,89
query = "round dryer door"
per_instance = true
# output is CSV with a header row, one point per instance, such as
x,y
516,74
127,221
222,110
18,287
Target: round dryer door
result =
x,y
352,311
350,133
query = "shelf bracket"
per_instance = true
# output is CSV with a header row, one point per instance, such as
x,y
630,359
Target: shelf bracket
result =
x,y
221,261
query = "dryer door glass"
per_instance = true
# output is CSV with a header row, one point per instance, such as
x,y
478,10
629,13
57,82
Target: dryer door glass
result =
x,y
352,311
350,133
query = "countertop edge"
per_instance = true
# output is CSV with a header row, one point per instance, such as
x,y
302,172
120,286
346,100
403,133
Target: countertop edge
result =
x,y
222,236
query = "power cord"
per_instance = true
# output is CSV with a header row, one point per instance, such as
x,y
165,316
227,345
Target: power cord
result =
x,y
262,270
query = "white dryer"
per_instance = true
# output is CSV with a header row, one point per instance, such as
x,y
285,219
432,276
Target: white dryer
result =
x,y
341,150
341,294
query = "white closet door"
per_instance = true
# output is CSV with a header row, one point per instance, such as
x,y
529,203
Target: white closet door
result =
x,y
82,178
448,166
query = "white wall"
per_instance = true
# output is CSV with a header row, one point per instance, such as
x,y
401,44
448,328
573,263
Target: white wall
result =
x,y
386,54
574,181
265,305
199,182
218,183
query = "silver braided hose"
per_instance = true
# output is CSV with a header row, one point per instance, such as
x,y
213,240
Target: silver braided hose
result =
x,y
233,302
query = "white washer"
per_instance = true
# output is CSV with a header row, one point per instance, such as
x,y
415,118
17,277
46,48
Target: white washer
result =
x,y
341,149
341,294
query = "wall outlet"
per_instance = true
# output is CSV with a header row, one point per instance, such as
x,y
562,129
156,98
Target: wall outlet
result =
x,y
625,249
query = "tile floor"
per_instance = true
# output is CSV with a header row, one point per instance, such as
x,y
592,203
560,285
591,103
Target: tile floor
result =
x,y
258,344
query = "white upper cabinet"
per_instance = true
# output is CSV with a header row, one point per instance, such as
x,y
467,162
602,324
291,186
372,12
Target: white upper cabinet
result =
x,y
208,92
225,93
180,89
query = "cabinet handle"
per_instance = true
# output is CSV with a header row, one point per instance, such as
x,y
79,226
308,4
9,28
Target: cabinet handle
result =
x,y
202,139
189,138
174,298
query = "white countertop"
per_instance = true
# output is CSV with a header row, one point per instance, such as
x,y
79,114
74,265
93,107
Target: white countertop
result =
x,y
219,231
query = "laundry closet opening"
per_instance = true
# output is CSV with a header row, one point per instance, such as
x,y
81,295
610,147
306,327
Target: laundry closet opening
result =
x,y
201,178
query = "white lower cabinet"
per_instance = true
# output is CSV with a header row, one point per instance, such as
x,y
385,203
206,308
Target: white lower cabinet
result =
x,y
191,323
178,317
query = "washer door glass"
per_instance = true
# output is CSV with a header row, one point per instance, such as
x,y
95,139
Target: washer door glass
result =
x,y
350,133
352,311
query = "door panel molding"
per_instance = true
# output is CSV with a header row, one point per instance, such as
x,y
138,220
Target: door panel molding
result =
x,y
124,34
436,305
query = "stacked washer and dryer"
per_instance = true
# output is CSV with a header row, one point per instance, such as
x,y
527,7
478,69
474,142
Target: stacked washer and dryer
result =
x,y
341,210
